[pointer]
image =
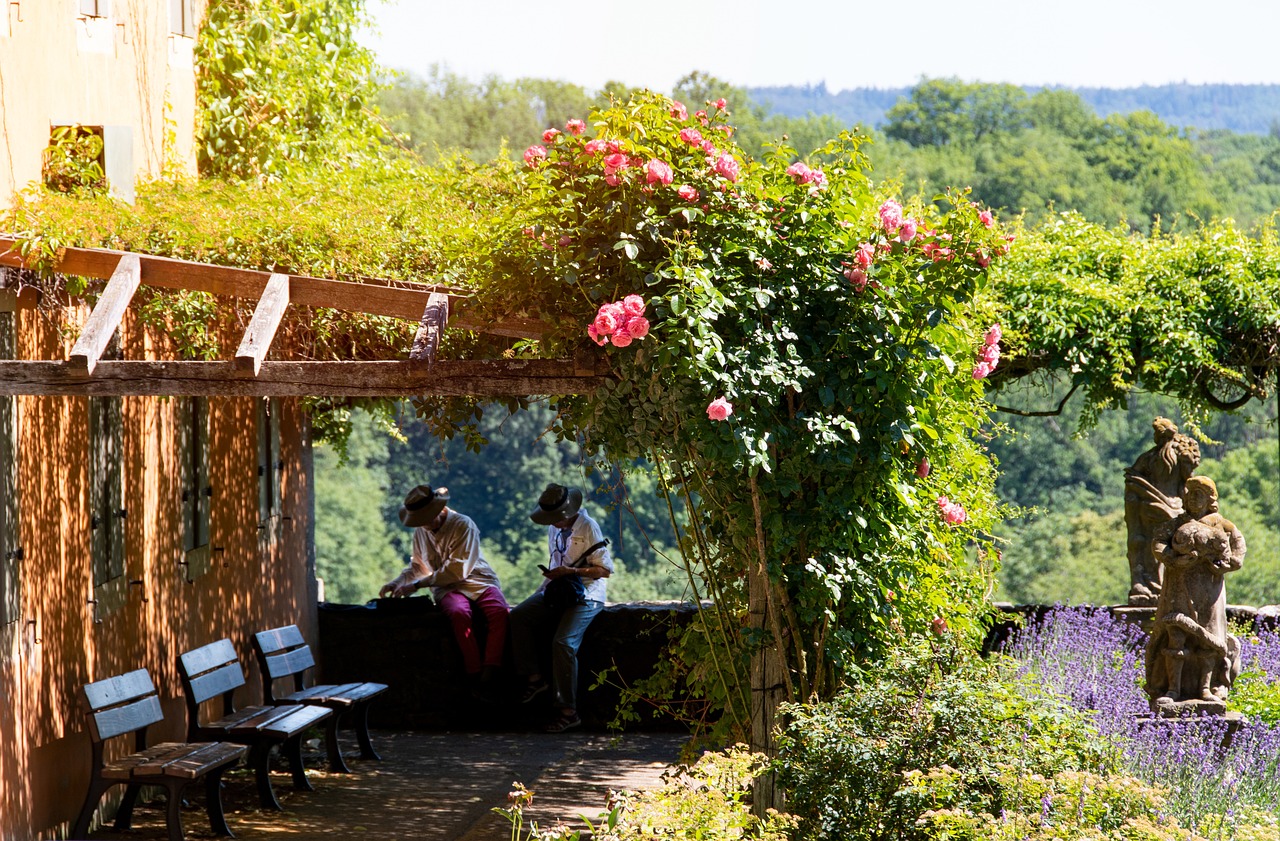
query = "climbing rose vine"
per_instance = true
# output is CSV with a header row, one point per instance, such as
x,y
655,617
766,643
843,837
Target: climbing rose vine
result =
x,y
829,319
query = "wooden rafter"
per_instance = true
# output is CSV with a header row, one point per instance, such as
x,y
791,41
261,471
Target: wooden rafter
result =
x,y
481,378
262,328
105,318
434,318
397,299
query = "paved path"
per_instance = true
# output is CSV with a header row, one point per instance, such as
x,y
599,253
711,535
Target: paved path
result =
x,y
434,787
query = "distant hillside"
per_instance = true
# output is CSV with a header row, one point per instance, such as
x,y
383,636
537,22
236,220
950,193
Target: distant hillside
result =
x,y
1245,109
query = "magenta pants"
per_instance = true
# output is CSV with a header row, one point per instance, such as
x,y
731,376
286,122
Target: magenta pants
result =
x,y
460,611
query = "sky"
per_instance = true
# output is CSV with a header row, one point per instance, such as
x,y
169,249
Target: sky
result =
x,y
854,43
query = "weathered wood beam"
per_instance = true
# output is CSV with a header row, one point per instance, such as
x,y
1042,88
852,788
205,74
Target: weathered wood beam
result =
x,y
396,299
434,318
262,328
478,378
107,314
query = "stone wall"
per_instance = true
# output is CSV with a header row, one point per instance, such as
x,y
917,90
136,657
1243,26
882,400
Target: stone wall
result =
x,y
408,645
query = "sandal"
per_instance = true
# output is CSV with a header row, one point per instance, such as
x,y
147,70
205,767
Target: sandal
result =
x,y
563,722
533,690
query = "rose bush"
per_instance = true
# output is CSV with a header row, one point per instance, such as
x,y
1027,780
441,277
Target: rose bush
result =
x,y
834,322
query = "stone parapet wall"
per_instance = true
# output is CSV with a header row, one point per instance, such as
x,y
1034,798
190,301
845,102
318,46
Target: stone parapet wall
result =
x,y
408,645
1001,628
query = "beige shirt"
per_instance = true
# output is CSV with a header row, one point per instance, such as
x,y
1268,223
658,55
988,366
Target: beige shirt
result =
x,y
578,538
449,560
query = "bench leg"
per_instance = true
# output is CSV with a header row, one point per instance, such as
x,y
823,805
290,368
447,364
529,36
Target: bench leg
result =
x,y
337,763
97,788
292,749
360,716
124,815
173,816
213,803
260,759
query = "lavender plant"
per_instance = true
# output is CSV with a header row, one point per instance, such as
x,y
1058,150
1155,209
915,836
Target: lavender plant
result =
x,y
1217,780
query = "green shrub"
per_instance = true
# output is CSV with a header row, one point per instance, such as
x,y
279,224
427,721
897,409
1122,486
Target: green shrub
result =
x,y
853,767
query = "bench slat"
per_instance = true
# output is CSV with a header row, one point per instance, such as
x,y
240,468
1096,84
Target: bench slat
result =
x,y
214,683
206,658
119,689
106,724
289,663
298,720
187,760
345,694
279,639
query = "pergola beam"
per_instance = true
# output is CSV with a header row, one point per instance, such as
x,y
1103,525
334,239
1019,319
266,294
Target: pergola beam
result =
x,y
262,328
396,299
105,318
480,378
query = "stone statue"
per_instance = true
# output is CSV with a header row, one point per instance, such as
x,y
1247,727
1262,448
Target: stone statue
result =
x,y
1191,659
1153,489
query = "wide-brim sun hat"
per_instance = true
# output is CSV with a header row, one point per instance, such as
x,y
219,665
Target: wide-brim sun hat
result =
x,y
556,503
422,505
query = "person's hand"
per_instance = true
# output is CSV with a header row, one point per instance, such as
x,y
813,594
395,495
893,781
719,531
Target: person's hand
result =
x,y
405,589
387,590
558,572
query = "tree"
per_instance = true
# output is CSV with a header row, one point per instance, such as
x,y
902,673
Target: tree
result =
x,y
943,112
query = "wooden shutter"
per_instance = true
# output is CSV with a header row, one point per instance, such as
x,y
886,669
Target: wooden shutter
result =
x,y
106,488
10,534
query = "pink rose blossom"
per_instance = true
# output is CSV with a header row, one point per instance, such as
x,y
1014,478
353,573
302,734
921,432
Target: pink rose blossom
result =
x,y
865,254
982,259
687,193
691,136
891,215
633,305
923,468
952,512
606,322
993,335
658,172
594,147
612,179
709,148
728,167
575,127
856,276
938,626
720,103
621,338
534,155
564,240
991,355
987,218
981,371
678,111
613,146
595,335
818,180
615,162
549,136
702,117
638,327
800,172
907,230
719,409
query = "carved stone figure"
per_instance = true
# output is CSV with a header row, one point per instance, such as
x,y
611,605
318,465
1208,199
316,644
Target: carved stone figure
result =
x,y
1153,489
1191,659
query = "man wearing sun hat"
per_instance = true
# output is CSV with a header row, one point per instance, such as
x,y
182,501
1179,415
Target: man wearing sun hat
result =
x,y
578,548
447,558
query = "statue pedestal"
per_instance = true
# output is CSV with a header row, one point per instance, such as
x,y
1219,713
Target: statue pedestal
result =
x,y
1169,708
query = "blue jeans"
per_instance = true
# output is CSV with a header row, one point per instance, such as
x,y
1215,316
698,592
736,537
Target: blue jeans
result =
x,y
530,620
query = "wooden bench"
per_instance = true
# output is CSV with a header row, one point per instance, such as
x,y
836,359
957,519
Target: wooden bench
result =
x,y
127,704
283,653
213,670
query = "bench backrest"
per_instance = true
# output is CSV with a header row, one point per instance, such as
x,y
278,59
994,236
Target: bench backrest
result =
x,y
207,672
121,704
282,652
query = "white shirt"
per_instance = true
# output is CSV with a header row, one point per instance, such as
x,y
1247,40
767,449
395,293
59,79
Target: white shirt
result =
x,y
449,560
578,538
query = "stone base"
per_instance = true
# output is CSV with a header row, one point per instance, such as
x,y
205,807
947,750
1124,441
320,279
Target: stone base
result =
x,y
1169,708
